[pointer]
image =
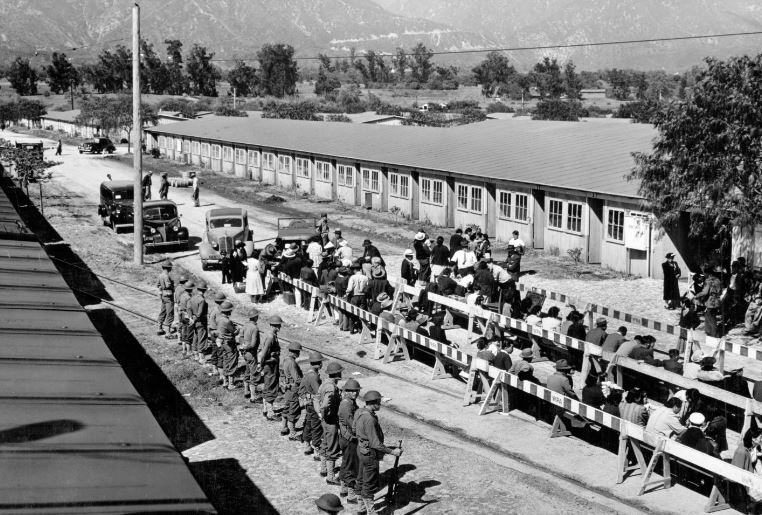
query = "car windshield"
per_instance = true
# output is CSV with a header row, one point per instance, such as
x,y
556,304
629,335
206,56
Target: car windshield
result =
x,y
160,213
124,195
217,223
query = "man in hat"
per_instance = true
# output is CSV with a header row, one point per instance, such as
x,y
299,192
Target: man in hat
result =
x,y
198,311
356,294
336,238
671,272
329,503
249,349
166,292
598,334
694,436
146,183
370,449
308,390
381,303
423,256
196,191
344,251
164,186
560,381
377,284
214,313
292,377
370,251
227,332
322,228
456,241
348,441
186,327
341,283
328,399
268,359
523,367
179,290
408,273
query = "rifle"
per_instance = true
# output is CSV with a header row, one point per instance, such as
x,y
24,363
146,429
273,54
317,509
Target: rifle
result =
x,y
391,493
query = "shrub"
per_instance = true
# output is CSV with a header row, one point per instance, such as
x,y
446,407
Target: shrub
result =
x,y
229,111
459,105
575,254
338,118
554,251
641,111
304,110
499,107
559,110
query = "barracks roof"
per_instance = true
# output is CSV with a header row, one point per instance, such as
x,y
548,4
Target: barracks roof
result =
x,y
590,156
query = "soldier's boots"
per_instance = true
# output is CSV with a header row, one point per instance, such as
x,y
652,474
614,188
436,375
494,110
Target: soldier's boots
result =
x,y
268,411
253,393
292,429
353,497
370,506
323,466
331,479
317,456
343,491
308,448
231,383
284,430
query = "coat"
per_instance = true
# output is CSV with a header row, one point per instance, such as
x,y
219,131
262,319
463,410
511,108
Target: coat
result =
x,y
671,273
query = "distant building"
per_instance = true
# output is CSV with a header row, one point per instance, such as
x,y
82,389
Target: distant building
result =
x,y
593,94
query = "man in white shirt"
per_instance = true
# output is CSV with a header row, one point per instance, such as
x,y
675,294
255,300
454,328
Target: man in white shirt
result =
x,y
466,281
345,251
195,194
464,259
517,243
666,421
498,272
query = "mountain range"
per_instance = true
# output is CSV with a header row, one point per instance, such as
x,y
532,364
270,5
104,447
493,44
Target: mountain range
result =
x,y
238,28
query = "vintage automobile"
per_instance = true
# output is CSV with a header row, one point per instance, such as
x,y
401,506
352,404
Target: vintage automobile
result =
x,y
97,146
223,227
296,230
116,206
161,225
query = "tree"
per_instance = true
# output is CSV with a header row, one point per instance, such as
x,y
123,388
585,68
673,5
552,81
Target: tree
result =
x,y
113,71
229,111
372,67
243,78
619,86
23,77
400,62
572,84
113,113
326,83
278,71
421,63
546,76
444,77
203,75
304,110
62,75
707,155
177,81
558,110
492,73
154,76
325,62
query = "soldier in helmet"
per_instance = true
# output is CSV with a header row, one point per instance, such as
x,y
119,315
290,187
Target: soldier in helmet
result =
x,y
370,448
329,398
166,291
292,376
179,290
348,441
249,348
215,358
268,359
308,389
186,330
226,340
199,314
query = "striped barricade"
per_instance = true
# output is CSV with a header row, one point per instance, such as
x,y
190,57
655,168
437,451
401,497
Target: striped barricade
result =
x,y
303,288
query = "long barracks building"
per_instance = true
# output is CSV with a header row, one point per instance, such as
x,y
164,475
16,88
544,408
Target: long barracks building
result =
x,y
561,185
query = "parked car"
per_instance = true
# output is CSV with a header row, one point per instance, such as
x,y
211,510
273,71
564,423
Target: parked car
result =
x,y
97,146
223,227
161,225
116,206
296,230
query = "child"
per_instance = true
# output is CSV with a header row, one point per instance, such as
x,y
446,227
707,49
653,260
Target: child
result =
x,y
225,265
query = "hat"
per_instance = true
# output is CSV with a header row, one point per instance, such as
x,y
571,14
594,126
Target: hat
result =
x,y
226,307
697,419
343,243
371,396
527,353
163,174
323,215
669,255
189,285
328,245
316,357
295,346
346,262
337,231
219,297
562,364
366,243
167,264
379,273
343,270
708,361
408,252
422,319
697,356
253,314
420,236
201,286
334,367
352,385
330,503
275,320
183,278
375,260
289,253
600,321
381,297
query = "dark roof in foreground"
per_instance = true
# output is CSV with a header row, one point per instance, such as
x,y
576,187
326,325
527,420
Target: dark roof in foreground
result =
x,y
591,156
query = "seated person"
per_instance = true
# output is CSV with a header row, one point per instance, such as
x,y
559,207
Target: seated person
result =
x,y
694,436
381,303
475,298
645,351
612,403
523,367
552,322
592,394
707,372
503,355
633,407
577,327
614,340
445,283
753,316
466,279
533,317
482,350
666,421
673,363
435,328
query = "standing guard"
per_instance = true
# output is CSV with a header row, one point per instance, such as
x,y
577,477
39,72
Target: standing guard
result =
x,y
249,349
226,340
199,314
179,290
215,358
348,441
329,398
292,376
166,291
268,359
308,390
186,329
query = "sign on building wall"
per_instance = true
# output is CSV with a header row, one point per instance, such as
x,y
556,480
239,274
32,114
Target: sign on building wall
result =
x,y
636,231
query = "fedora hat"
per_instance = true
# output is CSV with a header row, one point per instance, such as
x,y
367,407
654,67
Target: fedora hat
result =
x,y
289,253
562,364
420,236
527,353
379,273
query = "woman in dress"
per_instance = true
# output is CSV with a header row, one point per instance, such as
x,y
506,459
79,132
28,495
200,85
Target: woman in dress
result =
x,y
254,285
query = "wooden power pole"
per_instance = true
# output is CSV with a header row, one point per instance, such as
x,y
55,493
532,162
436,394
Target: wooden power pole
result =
x,y
137,126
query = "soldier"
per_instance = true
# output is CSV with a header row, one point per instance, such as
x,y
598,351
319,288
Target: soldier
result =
x,y
179,290
249,348
268,359
292,376
164,187
186,330
198,310
308,389
166,291
329,398
215,358
370,448
348,441
226,340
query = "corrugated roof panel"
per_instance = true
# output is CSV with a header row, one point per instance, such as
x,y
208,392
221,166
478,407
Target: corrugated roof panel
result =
x,y
22,379
66,347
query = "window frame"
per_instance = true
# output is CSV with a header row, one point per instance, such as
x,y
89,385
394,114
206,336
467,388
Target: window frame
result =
x,y
196,148
323,171
399,185
252,158
227,154
461,200
240,156
306,170
269,161
518,206
616,211
552,214
216,151
473,198
569,218
205,149
437,185
186,146
373,180
178,145
282,160
162,142
346,175
504,208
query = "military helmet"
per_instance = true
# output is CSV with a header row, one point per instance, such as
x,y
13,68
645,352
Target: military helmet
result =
x,y
201,285
226,307
219,297
372,396
189,285
167,265
275,320
316,357
352,385
183,278
334,367
295,346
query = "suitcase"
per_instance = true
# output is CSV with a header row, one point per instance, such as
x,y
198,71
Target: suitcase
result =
x,y
239,287
288,298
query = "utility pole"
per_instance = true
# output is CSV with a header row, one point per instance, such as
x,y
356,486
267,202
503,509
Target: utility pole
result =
x,y
234,93
137,126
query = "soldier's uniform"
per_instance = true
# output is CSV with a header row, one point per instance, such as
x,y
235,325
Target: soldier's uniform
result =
x,y
268,359
348,443
329,398
179,290
226,338
215,358
166,291
312,434
186,330
370,450
199,314
249,348
292,377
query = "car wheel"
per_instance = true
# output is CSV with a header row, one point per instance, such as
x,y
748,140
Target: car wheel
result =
x,y
80,151
204,265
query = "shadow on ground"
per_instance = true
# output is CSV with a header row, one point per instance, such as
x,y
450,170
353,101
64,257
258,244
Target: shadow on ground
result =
x,y
225,482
